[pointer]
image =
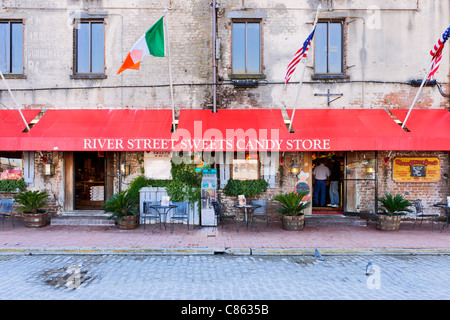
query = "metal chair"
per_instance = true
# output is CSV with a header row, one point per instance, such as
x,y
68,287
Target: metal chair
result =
x,y
223,217
6,211
150,212
260,213
420,214
181,213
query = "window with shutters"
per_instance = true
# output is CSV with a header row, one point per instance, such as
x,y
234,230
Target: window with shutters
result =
x,y
11,47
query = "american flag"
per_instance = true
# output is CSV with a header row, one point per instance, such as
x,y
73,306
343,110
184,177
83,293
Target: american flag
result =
x,y
436,53
301,53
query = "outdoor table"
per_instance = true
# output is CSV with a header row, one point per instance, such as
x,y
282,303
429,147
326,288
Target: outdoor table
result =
x,y
162,211
447,209
248,209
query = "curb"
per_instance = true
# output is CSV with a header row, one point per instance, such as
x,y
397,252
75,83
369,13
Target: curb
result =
x,y
223,251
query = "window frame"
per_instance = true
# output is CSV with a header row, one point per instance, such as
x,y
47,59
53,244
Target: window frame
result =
x,y
11,74
330,75
87,75
246,74
18,155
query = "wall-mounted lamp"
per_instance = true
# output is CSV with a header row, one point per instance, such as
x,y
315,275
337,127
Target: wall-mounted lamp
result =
x,y
370,170
49,169
294,167
124,169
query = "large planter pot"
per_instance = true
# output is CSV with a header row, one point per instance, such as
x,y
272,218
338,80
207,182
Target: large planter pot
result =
x,y
385,222
35,220
293,223
128,222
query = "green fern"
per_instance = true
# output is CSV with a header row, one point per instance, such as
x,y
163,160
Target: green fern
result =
x,y
292,204
121,205
394,205
31,201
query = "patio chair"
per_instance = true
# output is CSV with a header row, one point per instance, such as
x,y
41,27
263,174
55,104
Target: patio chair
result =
x,y
150,213
6,211
181,213
260,213
223,217
420,214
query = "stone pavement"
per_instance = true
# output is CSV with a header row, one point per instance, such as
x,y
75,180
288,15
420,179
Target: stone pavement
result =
x,y
224,239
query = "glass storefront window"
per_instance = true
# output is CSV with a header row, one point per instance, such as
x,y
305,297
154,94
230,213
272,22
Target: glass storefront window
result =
x,y
360,182
11,165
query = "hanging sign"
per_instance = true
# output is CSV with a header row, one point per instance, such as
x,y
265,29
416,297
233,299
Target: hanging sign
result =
x,y
416,169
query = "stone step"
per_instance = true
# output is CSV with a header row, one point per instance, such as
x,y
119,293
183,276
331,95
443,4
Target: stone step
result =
x,y
334,220
80,220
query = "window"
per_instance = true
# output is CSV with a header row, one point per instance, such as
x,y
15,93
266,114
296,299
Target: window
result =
x,y
89,51
11,47
11,165
328,58
246,48
245,166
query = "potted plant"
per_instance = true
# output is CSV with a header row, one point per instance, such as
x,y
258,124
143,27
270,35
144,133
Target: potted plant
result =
x,y
292,206
32,207
123,209
393,208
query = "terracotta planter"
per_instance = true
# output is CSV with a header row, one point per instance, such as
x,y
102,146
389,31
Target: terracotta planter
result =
x,y
37,220
388,223
128,222
293,223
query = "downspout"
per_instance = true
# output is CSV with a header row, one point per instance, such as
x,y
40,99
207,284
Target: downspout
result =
x,y
214,57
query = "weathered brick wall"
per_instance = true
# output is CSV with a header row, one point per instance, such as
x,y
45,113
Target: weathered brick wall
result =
x,y
378,62
429,192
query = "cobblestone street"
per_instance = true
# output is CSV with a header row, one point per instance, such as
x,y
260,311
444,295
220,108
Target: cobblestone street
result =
x,y
223,277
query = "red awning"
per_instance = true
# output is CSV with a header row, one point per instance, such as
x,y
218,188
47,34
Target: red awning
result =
x,y
227,130
12,126
429,128
101,130
230,129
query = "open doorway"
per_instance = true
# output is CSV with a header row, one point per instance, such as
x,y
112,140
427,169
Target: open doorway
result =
x,y
89,180
324,201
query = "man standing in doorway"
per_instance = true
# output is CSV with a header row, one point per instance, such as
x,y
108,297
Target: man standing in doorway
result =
x,y
334,182
321,174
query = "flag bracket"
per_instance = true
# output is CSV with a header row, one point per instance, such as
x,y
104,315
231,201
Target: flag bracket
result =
x,y
328,95
418,82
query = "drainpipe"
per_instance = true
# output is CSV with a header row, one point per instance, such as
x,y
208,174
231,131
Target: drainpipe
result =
x,y
214,57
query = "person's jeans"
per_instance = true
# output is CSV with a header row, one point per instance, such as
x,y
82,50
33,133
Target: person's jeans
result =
x,y
334,192
320,186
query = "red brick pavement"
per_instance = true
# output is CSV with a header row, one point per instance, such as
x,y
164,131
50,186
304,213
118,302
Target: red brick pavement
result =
x,y
223,237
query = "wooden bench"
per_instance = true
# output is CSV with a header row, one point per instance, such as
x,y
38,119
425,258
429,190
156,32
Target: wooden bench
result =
x,y
6,210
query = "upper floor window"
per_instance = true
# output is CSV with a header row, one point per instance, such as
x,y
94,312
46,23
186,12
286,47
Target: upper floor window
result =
x,y
246,48
328,59
11,47
89,51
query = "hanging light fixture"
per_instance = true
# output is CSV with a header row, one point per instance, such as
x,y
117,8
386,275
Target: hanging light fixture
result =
x,y
294,167
49,167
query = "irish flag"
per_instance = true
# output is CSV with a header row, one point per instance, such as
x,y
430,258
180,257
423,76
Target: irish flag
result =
x,y
152,42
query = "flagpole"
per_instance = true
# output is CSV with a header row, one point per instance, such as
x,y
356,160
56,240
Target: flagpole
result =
x,y
303,73
166,23
298,94
14,100
417,94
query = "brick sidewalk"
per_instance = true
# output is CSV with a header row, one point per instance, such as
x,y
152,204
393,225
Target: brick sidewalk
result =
x,y
222,239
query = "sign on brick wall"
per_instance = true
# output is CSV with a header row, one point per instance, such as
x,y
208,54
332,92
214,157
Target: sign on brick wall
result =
x,y
416,169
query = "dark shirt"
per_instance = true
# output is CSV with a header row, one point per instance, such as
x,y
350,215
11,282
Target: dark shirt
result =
x,y
335,172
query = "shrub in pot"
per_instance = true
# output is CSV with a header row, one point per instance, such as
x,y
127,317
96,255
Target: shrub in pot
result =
x,y
123,209
292,207
393,207
32,207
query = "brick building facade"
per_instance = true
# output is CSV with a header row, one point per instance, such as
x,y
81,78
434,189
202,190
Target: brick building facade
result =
x,y
362,57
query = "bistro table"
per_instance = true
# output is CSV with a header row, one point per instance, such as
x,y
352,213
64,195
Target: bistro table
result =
x,y
447,209
248,209
162,211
